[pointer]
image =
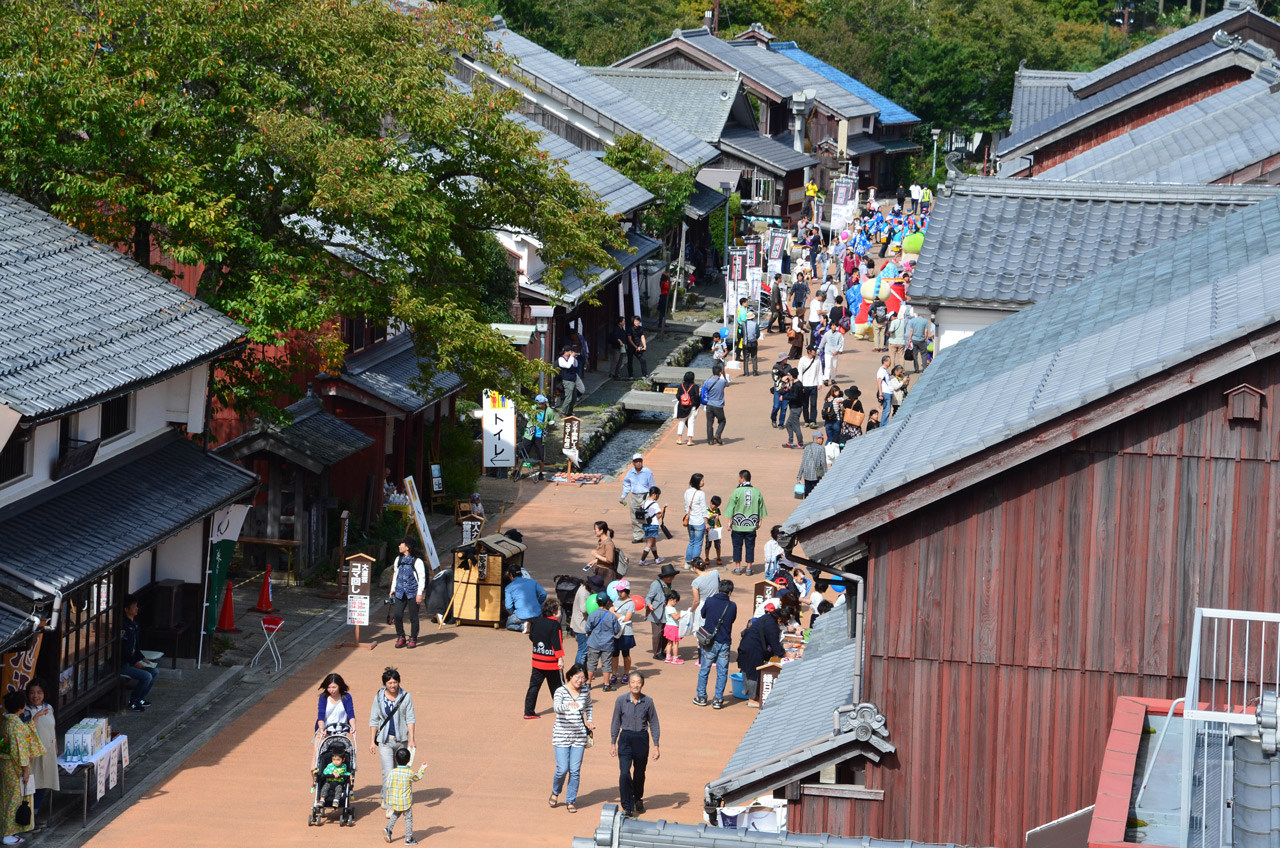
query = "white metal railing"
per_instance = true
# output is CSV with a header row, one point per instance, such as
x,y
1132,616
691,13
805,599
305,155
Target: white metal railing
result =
x,y
1234,659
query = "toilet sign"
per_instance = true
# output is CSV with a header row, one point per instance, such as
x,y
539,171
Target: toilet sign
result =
x,y
498,418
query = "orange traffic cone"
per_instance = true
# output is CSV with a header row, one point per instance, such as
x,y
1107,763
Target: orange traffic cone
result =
x,y
227,618
264,594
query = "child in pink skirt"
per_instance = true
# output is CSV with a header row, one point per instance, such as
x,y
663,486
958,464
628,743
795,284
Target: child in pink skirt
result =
x,y
671,628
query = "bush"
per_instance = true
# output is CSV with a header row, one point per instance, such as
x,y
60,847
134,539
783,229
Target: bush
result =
x,y
460,459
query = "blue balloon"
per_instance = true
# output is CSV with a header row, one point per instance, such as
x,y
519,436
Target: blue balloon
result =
x,y
724,332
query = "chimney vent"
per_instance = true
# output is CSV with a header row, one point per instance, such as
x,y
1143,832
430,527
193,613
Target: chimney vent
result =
x,y
706,20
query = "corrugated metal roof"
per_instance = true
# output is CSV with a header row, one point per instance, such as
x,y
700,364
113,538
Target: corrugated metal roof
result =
x,y
1200,143
1037,95
389,370
1039,237
1131,321
93,520
769,152
576,287
580,84
619,194
79,320
311,431
699,101
890,113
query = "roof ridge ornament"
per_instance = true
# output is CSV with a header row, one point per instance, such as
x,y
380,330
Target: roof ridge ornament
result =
x,y
863,720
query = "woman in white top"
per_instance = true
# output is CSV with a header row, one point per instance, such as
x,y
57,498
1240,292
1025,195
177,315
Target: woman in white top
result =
x,y
334,706
832,347
695,518
573,709
44,770
889,384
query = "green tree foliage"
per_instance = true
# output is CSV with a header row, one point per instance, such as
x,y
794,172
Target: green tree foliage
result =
x,y
259,139
643,163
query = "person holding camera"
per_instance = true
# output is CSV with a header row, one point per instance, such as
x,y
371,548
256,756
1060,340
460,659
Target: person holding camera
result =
x,y
795,396
570,372
408,582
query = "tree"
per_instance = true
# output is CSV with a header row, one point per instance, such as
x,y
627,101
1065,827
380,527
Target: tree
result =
x,y
312,157
642,162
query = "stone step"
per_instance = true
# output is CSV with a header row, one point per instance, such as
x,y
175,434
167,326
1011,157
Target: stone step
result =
x,y
672,375
708,329
638,401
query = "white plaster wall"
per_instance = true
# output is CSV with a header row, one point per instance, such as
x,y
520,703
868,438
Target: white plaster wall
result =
x,y
956,323
139,572
178,558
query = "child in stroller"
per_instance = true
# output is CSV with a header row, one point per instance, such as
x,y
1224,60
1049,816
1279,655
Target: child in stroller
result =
x,y
332,776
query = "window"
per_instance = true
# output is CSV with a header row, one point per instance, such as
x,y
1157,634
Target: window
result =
x,y
15,457
513,262
115,416
90,637
762,189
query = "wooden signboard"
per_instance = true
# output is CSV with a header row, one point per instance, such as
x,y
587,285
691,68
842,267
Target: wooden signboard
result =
x,y
764,590
571,428
768,677
472,526
359,595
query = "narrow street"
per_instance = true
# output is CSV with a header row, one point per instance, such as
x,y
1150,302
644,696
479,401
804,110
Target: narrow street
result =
x,y
489,770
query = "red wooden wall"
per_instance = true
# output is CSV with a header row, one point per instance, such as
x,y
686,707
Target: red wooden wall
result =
x,y
1006,619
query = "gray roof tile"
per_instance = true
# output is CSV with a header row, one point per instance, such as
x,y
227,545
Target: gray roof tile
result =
x,y
772,153
1038,237
311,430
389,370
703,201
1047,362
578,83
639,248
1037,95
119,508
79,320
699,101
619,194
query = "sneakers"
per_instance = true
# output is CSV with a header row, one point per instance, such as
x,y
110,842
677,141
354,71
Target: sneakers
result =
x,y
411,841
386,833
676,661
717,704
787,445
144,702
401,641
657,560
699,701
526,718
137,708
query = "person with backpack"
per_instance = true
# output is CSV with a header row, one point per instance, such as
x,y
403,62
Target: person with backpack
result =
x,y
751,345
715,636
656,601
713,398
635,490
878,315
778,415
604,561
688,401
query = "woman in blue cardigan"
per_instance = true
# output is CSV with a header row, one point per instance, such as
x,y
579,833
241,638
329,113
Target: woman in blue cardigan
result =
x,y
336,706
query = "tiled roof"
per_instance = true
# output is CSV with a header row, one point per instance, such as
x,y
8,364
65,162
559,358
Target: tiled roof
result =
x,y
1202,30
81,321
703,201
90,521
14,626
1200,60
860,145
890,112
1037,95
699,101
577,287
772,153
579,84
620,195
312,432
1126,323
389,370
796,724
1038,237
1200,143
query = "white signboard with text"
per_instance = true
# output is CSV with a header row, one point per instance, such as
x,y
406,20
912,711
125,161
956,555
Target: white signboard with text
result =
x,y
499,423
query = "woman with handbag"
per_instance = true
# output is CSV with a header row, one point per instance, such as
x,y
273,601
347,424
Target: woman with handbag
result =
x,y
832,411
695,518
853,415
572,735
604,561
20,746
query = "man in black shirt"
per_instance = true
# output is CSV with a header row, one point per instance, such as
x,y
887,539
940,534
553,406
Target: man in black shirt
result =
x,y
634,719
636,346
618,342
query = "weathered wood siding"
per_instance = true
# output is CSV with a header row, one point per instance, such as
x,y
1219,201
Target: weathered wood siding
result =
x,y
1006,619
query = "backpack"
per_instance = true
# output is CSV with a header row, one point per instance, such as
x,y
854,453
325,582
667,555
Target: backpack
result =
x,y
566,589
702,395
686,399
621,562
828,411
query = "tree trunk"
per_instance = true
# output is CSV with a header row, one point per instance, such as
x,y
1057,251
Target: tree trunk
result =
x,y
142,242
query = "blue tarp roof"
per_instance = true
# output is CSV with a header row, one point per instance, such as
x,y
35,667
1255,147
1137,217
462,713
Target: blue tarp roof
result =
x,y
890,112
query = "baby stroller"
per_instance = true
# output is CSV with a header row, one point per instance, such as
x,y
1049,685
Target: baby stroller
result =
x,y
336,740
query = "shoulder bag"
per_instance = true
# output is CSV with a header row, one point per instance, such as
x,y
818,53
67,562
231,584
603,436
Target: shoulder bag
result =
x,y
386,718
706,638
582,716
854,417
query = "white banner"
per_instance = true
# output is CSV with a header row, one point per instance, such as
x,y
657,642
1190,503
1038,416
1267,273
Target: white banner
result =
x,y
420,519
498,419
843,205
635,292
227,523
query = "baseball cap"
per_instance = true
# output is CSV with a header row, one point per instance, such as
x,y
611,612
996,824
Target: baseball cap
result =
x,y
540,399
637,456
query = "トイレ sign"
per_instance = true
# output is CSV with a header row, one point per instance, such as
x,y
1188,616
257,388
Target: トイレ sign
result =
x,y
498,417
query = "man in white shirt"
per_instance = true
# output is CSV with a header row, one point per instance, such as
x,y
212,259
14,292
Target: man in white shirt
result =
x,y
810,376
916,192
882,376
815,310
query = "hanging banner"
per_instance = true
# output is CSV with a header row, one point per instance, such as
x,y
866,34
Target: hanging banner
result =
x,y
20,667
420,519
752,244
776,249
635,292
843,205
498,421
224,532
622,298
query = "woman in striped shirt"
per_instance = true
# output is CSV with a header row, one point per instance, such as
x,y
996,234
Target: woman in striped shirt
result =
x,y
569,736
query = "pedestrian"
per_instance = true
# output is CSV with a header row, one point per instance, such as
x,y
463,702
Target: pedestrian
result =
x,y
635,718
777,307
547,639
334,706
832,347
901,196
604,560
926,200
918,334
713,529
713,392
795,397
813,462
778,414
635,489
746,512
44,768
816,302
398,790
720,347
883,375
569,377
653,515
625,639
535,430
132,663
522,599
810,372
719,613
636,348
853,416
873,420
915,193
578,615
602,627
898,382
795,336
695,518
799,293
897,337
664,298
618,346
574,726
21,748
688,401
751,345
394,725
761,640
671,616
656,600
832,412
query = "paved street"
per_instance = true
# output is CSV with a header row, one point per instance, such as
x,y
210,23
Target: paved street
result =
x,y
490,770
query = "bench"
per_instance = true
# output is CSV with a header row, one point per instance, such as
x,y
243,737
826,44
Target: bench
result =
x,y
638,401
671,375
708,330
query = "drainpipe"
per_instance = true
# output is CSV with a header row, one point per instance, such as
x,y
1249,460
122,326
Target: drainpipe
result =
x,y
856,612
43,587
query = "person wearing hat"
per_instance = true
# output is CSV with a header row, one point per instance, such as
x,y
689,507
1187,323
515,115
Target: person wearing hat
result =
x,y
542,420
761,640
656,600
635,491
750,345
569,377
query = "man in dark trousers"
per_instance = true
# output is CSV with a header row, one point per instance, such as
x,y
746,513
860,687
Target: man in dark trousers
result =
x,y
656,601
634,719
135,665
636,346
548,654
777,314
618,344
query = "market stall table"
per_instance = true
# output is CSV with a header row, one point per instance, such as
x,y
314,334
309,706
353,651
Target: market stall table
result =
x,y
102,771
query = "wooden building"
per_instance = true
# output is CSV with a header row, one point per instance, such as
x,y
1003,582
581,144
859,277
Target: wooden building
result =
x,y
1039,521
